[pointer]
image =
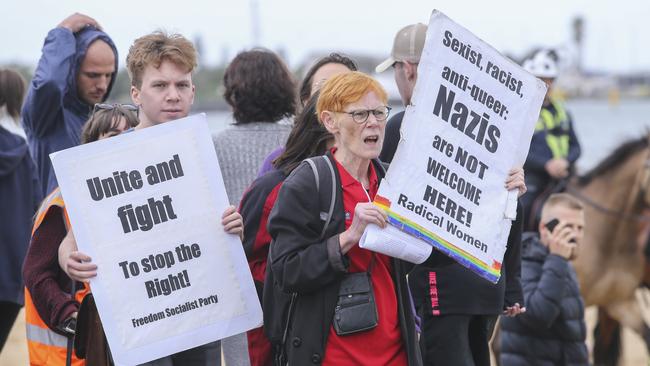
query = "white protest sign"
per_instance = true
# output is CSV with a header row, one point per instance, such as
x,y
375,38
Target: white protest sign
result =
x,y
147,207
471,120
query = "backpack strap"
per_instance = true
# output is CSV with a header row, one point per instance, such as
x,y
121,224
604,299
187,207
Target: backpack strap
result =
x,y
314,163
327,217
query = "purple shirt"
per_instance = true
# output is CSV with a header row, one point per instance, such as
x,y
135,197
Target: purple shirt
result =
x,y
267,165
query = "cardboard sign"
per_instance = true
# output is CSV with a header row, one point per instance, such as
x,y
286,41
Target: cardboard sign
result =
x,y
147,207
472,116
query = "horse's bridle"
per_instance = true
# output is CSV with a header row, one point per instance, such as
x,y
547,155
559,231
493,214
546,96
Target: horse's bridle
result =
x,y
621,214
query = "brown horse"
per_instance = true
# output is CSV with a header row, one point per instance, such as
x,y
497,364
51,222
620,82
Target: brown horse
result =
x,y
611,262
610,267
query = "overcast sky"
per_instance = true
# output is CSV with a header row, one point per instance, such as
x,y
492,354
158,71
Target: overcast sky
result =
x,y
617,33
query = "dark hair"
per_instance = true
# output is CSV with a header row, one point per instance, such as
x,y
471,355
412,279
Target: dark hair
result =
x,y
12,91
104,121
332,58
308,138
259,87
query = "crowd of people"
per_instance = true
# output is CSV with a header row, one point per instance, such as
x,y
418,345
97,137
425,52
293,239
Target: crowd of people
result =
x,y
301,166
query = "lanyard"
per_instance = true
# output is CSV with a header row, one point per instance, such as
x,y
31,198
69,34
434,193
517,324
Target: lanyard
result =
x,y
372,259
366,192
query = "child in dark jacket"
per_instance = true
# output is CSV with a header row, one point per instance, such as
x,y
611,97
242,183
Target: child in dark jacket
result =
x,y
552,331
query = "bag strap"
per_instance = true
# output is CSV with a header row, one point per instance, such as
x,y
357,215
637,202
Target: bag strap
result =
x,y
282,354
314,168
312,163
372,262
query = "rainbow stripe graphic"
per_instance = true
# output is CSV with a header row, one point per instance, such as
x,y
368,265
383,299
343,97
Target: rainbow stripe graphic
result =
x,y
490,273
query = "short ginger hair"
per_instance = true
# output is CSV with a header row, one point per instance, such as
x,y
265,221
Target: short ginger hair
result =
x,y
156,47
344,89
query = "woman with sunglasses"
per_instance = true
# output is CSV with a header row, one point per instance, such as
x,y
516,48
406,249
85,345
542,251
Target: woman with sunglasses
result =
x,y
319,263
50,309
109,120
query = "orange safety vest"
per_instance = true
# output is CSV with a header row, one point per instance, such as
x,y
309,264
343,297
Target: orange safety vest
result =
x,y
45,346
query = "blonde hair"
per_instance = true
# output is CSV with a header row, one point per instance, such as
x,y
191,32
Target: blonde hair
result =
x,y
561,199
155,48
344,89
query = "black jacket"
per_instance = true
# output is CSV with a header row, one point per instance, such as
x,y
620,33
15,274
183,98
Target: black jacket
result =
x,y
460,291
552,330
312,268
391,137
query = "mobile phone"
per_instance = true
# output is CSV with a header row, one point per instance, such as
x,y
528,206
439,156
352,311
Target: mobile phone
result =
x,y
552,224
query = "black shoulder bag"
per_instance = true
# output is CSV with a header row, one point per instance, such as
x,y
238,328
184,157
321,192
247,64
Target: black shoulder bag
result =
x,y
356,310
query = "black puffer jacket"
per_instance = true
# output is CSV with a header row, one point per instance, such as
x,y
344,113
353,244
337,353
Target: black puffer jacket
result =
x,y
301,262
552,330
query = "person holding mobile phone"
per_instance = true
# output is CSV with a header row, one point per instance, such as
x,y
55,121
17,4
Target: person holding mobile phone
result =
x,y
552,330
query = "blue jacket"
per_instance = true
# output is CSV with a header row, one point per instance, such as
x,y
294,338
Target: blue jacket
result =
x,y
20,196
53,114
552,331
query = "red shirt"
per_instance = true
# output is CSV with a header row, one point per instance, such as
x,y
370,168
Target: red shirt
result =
x,y
383,344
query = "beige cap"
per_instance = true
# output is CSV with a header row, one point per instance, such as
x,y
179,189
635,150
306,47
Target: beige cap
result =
x,y
407,46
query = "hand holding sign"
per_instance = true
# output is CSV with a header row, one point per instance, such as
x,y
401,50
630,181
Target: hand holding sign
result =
x,y
168,277
365,213
472,116
75,264
232,222
516,181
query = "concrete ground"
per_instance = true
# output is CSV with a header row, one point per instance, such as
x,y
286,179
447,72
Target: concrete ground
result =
x,y
15,350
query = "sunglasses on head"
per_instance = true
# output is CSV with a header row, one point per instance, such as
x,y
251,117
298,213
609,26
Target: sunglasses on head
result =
x,y
110,107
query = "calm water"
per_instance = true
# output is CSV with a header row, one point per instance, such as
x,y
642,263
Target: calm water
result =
x,y
600,127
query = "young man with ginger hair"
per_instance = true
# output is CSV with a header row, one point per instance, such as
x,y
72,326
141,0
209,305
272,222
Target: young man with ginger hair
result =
x,y
160,66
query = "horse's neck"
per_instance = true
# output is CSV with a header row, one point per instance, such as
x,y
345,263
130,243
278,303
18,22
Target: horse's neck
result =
x,y
616,192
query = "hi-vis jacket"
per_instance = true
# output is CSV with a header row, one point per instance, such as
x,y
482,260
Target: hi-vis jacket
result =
x,y
554,137
47,347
